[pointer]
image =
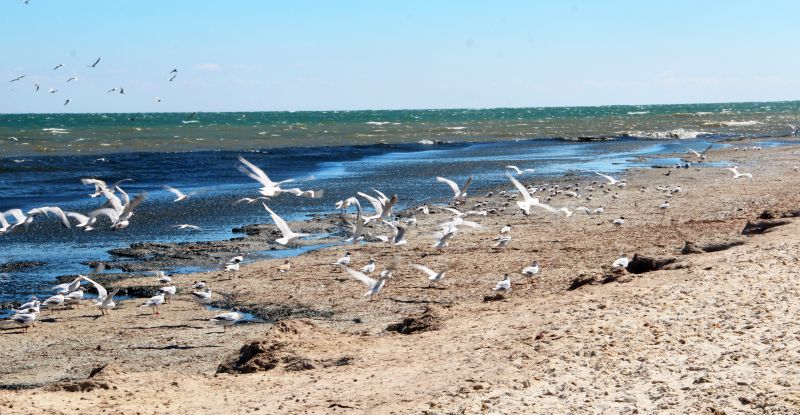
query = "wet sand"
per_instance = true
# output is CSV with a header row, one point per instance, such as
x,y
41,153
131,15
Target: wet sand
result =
x,y
717,333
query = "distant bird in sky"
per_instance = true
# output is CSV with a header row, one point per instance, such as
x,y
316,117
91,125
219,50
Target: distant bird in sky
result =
x,y
66,102
173,71
172,77
35,85
52,90
17,78
58,66
191,116
121,91
111,90
94,65
72,78
156,99
179,196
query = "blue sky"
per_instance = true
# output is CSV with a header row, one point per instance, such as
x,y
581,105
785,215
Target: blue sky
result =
x,y
322,55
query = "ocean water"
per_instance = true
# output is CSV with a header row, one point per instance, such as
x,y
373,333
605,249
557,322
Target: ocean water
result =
x,y
331,153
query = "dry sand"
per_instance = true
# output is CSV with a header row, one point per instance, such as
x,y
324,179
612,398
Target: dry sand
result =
x,y
717,334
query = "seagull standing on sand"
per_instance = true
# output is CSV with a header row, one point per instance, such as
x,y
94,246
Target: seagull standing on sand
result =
x,y
502,242
424,209
287,234
664,206
202,297
226,319
737,175
154,302
619,221
345,260
53,302
459,194
163,278
504,285
795,130
107,303
505,229
532,270
370,267
24,320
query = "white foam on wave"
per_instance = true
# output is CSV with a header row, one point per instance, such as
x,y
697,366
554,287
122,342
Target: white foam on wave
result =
x,y
455,128
740,123
638,112
426,142
678,133
56,130
378,122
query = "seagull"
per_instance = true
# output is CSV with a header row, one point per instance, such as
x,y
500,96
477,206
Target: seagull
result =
x,y
311,194
506,229
532,270
156,99
370,267
94,65
375,285
17,78
172,77
199,285
795,130
383,205
119,213
52,302
68,287
619,221
737,175
502,242
458,193
664,205
249,200
399,234
173,71
226,319
612,181
107,303
36,85
519,171
232,267
424,209
202,297
356,230
58,66
288,234
72,78
345,260
187,226
162,277
598,211
83,220
46,211
285,267
154,302
269,188
701,155
111,90
620,263
66,102
52,90
433,276
33,303
528,201
236,259
74,297
21,218
24,320
122,91
443,238
168,291
504,285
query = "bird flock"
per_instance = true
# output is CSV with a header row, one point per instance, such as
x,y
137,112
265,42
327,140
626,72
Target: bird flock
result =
x,y
117,212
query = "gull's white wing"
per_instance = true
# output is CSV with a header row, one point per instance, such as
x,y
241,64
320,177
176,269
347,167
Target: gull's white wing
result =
x,y
369,282
17,214
375,202
101,291
522,190
546,207
133,204
466,185
609,178
426,270
126,200
81,218
174,191
450,183
255,173
282,226
3,222
693,152
113,199
59,213
707,148
111,213
515,168
454,211
232,316
110,297
383,197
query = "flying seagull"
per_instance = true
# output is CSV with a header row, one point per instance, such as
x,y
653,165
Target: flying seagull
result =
x,y
180,196
288,234
172,78
459,193
94,65
374,285
737,175
66,102
72,78
111,90
17,78
58,66
519,171
36,85
173,71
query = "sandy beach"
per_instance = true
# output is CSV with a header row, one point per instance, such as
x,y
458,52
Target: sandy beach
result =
x,y
713,331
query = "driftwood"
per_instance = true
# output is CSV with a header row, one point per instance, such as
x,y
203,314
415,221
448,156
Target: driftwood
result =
x,y
761,226
641,264
691,248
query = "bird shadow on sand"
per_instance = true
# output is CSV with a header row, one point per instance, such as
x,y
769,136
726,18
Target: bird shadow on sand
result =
x,y
166,326
406,301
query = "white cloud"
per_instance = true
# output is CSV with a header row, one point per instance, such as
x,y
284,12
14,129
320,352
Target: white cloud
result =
x,y
207,67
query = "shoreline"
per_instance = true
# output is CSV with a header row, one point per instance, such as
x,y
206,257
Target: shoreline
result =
x,y
510,355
